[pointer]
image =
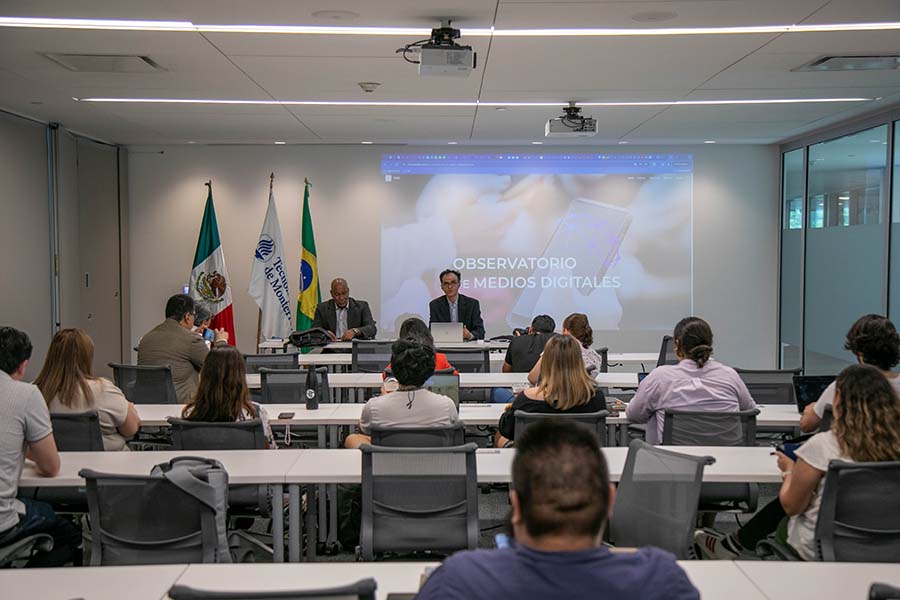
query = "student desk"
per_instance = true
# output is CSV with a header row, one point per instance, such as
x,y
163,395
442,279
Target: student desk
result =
x,y
817,580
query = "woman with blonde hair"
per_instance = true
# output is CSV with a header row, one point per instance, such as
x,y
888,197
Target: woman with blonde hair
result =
x,y
565,387
223,396
68,385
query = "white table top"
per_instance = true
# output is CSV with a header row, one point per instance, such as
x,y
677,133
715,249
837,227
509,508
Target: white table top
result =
x,y
154,415
482,380
494,466
815,581
345,360
243,466
720,579
93,583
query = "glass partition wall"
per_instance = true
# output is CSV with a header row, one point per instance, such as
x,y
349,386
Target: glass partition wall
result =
x,y
836,245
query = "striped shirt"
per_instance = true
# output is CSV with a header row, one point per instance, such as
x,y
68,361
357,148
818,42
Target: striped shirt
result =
x,y
24,419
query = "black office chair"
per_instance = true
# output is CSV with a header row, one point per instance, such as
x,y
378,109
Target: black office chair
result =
x,y
145,384
770,386
370,356
858,518
19,552
595,421
883,591
418,499
288,386
470,360
419,437
363,589
712,428
77,432
255,362
656,501
604,358
827,419
667,352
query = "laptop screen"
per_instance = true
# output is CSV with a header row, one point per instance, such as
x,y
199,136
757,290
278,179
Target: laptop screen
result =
x,y
446,385
447,333
808,388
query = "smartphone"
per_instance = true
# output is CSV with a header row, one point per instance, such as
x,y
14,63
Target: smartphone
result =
x,y
286,415
789,450
590,233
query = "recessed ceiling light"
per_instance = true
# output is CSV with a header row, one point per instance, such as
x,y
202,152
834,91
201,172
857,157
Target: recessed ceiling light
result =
x,y
500,108
365,142
451,143
126,25
654,16
192,142
623,142
472,103
537,143
336,15
281,143
709,142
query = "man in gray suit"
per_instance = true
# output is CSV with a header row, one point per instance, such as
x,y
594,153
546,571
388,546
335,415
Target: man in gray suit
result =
x,y
344,317
173,343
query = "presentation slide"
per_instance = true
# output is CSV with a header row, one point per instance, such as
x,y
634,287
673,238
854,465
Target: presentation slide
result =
x,y
608,235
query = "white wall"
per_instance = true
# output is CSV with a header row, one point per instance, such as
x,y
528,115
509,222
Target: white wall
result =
x,y
736,218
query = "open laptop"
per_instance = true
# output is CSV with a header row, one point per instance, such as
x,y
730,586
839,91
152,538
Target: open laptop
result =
x,y
447,333
446,385
808,388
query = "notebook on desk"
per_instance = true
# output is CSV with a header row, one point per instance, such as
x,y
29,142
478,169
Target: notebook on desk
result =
x,y
447,333
808,388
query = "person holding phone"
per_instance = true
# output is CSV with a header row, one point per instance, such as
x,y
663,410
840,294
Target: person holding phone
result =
x,y
454,307
866,428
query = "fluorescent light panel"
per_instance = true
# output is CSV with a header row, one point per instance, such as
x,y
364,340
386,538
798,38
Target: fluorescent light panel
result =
x,y
467,104
126,25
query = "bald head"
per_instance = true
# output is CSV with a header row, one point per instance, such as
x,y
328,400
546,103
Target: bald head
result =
x,y
340,292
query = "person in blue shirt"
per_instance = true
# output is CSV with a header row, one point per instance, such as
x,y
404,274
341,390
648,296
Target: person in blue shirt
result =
x,y
561,499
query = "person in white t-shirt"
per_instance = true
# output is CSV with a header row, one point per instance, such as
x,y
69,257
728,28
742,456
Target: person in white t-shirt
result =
x,y
68,384
873,339
866,428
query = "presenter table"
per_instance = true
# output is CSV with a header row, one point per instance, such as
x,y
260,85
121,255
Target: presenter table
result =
x,y
243,466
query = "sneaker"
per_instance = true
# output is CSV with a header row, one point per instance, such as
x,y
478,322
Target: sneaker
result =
x,y
713,545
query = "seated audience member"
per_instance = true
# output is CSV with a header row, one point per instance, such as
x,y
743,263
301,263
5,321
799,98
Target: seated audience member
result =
x,y
416,329
25,429
578,327
696,383
343,317
866,428
874,341
565,388
561,500
411,405
202,320
223,396
525,350
173,343
68,385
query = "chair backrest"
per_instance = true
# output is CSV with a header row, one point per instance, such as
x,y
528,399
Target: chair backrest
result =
x,y
858,518
174,517
656,502
254,362
419,437
883,591
827,418
667,352
77,432
604,358
595,421
370,356
364,589
709,428
288,386
201,435
469,360
418,499
145,384
770,386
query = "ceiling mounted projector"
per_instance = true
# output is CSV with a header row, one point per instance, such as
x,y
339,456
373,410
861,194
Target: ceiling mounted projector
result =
x,y
571,124
440,55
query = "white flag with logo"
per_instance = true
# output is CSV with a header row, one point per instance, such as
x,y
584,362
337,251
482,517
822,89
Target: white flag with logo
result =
x,y
268,279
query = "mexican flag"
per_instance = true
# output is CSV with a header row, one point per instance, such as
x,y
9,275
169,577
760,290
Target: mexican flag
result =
x,y
309,296
209,278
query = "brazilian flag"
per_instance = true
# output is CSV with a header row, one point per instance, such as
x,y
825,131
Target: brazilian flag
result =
x,y
309,296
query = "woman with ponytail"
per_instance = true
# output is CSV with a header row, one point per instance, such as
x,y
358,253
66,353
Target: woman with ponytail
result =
x,y
697,382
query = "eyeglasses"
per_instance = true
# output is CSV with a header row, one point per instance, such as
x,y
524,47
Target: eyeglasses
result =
x,y
449,283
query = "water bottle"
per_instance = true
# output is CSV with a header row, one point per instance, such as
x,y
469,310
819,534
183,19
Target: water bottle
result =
x,y
312,388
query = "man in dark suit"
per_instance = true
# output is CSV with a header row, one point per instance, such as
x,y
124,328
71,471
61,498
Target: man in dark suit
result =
x,y
453,307
344,317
